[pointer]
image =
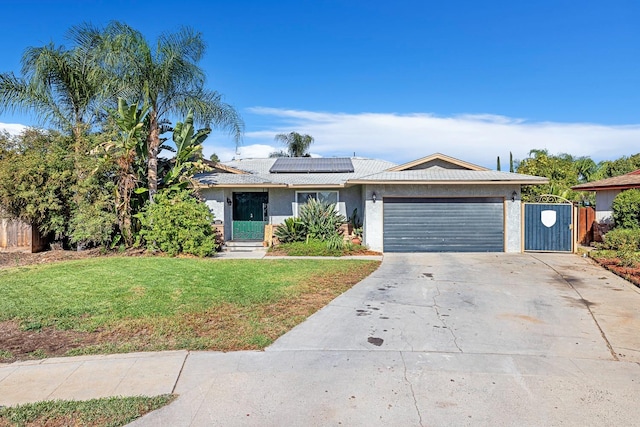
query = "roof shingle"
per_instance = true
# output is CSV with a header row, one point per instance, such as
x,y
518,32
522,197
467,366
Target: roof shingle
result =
x,y
364,171
630,180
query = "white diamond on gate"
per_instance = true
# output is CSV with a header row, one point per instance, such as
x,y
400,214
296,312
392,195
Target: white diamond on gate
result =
x,y
548,218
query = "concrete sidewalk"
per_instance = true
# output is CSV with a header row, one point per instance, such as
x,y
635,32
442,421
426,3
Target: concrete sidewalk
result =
x,y
88,377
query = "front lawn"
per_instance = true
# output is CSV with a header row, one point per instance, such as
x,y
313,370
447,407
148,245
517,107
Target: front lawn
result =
x,y
123,304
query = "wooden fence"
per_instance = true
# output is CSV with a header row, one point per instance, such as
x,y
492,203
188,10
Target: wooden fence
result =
x,y
16,236
586,220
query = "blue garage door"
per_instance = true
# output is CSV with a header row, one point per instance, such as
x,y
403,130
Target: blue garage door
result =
x,y
472,224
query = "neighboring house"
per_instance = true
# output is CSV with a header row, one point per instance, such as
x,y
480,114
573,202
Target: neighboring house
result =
x,y
606,190
433,204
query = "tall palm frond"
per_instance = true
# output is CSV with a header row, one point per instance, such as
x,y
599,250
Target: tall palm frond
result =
x,y
297,144
62,87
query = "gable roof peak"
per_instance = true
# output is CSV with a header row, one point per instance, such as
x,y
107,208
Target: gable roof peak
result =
x,y
438,159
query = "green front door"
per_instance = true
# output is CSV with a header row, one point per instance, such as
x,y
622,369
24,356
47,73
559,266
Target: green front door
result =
x,y
249,215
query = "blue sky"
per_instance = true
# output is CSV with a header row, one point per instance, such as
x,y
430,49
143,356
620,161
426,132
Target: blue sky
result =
x,y
394,80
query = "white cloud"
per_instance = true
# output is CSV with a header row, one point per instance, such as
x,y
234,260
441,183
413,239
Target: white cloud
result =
x,y
476,138
226,153
12,128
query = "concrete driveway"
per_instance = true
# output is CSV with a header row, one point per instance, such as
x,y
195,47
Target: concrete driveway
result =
x,y
438,339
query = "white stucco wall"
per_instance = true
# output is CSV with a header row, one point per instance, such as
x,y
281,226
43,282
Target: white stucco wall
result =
x,y
373,221
214,198
604,199
282,203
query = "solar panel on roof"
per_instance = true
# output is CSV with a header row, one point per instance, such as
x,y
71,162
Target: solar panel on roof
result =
x,y
311,165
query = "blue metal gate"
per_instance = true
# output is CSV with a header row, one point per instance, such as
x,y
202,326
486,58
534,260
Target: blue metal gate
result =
x,y
548,227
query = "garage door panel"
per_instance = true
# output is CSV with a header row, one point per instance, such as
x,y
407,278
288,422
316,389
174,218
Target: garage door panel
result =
x,y
443,225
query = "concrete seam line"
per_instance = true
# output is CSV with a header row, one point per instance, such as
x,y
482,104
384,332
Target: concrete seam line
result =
x,y
66,378
184,361
604,337
126,374
413,394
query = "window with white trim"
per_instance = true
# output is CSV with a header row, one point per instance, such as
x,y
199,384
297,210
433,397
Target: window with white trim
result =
x,y
323,196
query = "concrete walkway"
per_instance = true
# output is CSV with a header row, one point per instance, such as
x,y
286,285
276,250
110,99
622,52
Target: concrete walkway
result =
x,y
88,377
429,339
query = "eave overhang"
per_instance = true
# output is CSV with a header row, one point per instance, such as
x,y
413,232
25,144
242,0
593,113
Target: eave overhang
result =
x,y
451,182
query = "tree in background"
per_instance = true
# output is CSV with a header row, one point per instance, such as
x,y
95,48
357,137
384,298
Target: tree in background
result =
x,y
86,185
621,166
565,171
511,168
279,153
560,169
35,172
188,158
62,87
586,168
297,145
170,78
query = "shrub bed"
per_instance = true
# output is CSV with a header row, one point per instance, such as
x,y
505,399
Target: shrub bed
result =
x,y
318,248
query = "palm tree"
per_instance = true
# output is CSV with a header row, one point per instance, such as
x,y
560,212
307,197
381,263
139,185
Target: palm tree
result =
x,y
296,144
169,79
537,153
61,86
585,167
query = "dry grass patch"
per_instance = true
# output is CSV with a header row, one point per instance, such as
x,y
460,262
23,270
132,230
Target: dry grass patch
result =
x,y
115,305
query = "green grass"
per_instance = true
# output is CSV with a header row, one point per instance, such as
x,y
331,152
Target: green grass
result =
x,y
114,411
157,303
314,248
602,253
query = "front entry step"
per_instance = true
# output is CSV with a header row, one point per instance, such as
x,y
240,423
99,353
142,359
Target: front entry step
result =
x,y
245,246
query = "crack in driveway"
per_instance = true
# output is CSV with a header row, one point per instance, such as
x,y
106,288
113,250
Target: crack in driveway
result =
x,y
444,324
413,393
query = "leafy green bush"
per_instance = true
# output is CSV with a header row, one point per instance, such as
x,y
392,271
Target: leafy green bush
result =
x,y
320,220
620,238
626,209
628,255
92,226
178,223
291,231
